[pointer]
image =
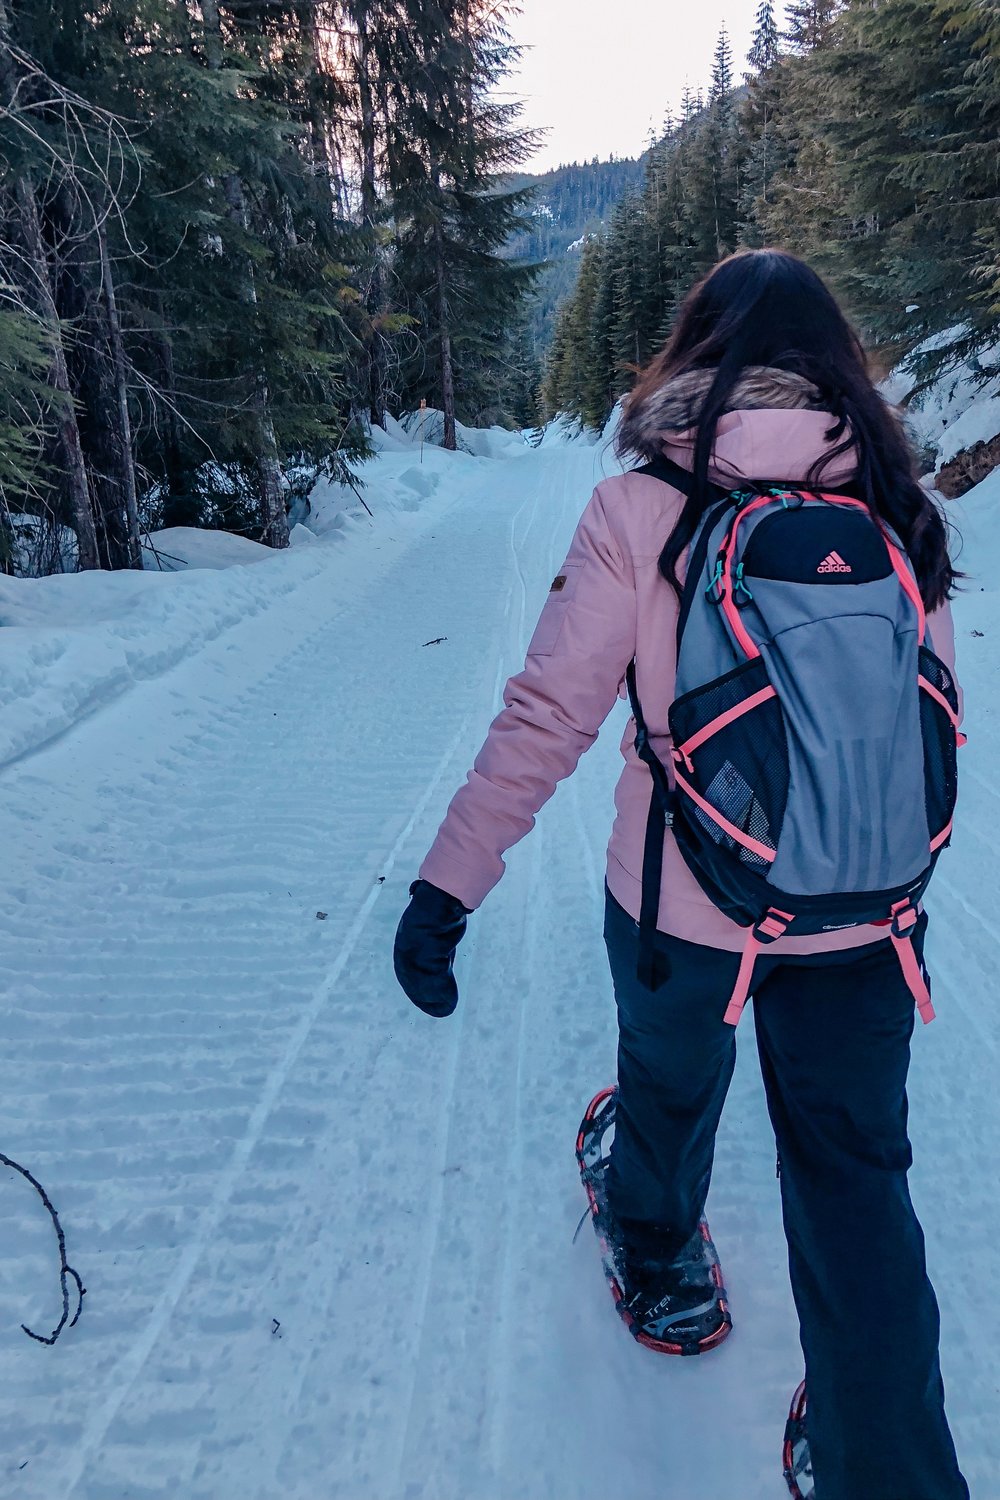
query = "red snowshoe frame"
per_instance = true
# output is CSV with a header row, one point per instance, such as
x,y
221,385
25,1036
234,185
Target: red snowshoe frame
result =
x,y
661,1346
791,1452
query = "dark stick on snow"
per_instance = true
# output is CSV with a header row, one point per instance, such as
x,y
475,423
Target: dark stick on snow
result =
x,y
66,1272
361,497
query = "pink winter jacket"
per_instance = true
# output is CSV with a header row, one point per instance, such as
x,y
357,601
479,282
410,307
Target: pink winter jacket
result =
x,y
614,605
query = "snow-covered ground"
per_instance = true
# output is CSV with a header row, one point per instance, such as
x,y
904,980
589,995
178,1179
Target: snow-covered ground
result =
x,y
328,1243
959,408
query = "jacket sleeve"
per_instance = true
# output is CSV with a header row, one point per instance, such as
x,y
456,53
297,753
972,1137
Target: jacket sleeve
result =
x,y
552,712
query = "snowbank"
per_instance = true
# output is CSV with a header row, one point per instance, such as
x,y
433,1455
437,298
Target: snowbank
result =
x,y
564,430
978,423
427,427
977,551
959,408
178,547
72,642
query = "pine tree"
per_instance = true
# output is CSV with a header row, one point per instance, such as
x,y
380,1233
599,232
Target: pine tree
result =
x,y
764,45
26,401
708,165
723,146
628,275
962,173
580,375
808,24
895,119
453,140
761,148
805,207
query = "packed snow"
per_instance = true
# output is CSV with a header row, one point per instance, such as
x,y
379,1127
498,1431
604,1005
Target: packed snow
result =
x,y
328,1243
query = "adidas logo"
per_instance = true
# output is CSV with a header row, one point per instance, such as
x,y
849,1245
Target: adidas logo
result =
x,y
834,563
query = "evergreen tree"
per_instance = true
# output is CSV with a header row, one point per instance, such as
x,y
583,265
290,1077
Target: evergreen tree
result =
x,y
578,372
234,234
761,148
804,207
808,24
66,156
958,179
626,266
26,401
451,144
912,226
723,146
764,46
870,147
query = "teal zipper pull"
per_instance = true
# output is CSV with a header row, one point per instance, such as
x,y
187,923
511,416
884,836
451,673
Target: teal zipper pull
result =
x,y
741,587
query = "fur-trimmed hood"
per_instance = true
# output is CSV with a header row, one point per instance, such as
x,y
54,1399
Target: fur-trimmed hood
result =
x,y
674,408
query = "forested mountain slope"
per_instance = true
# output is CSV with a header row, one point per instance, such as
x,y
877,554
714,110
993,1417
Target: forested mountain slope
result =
x,y
568,204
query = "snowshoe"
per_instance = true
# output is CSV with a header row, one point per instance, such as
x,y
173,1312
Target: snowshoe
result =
x,y
675,1306
796,1461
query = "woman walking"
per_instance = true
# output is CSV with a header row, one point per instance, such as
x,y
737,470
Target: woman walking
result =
x,y
785,775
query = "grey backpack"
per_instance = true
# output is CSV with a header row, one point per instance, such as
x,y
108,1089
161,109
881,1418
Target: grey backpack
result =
x,y
814,732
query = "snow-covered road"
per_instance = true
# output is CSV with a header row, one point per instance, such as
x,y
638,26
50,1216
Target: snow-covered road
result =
x,y
328,1243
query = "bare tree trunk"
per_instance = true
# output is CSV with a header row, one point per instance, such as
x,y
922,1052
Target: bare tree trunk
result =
x,y
376,380
176,509
126,465
67,426
319,123
444,341
271,495
91,362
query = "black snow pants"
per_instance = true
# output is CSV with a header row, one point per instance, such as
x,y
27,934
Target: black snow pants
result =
x,y
833,1032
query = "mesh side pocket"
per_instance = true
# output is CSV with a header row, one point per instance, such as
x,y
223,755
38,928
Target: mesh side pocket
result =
x,y
940,743
741,770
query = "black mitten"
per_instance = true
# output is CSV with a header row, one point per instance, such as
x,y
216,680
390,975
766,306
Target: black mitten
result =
x,y
430,930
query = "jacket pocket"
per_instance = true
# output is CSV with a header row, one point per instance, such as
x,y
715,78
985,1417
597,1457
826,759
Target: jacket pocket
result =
x,y
553,616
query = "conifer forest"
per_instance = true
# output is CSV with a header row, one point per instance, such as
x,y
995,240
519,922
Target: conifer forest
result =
x,y
237,233
861,136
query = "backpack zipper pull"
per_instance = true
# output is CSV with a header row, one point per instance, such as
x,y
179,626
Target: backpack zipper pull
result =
x,y
741,588
715,591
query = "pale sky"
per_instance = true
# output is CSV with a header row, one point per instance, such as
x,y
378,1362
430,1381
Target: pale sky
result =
x,y
601,72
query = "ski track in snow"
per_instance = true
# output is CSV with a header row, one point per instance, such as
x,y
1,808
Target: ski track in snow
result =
x,y
243,1123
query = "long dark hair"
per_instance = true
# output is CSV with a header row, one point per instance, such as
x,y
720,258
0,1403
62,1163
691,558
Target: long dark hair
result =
x,y
768,308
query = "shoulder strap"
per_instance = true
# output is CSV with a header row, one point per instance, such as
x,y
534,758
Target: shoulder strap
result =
x,y
661,794
659,819
671,473
696,563
682,479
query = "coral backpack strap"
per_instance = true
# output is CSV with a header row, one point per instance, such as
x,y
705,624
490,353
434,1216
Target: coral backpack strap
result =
x,y
904,920
773,925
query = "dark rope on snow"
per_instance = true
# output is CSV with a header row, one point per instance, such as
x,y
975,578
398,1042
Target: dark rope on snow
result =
x,y
66,1272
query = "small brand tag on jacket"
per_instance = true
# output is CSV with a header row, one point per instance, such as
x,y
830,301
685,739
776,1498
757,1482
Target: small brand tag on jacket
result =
x,y
558,583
